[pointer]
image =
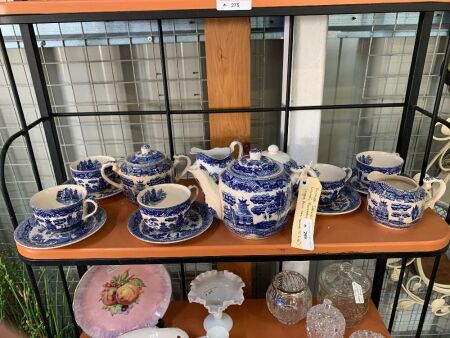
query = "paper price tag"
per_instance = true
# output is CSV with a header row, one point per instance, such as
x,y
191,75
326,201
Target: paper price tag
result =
x,y
234,5
358,293
305,213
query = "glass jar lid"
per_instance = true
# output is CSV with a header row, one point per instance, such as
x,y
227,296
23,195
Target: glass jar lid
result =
x,y
326,320
338,278
289,282
146,156
255,165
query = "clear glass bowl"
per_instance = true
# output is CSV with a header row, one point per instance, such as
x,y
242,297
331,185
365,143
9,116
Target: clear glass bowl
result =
x,y
366,334
325,321
340,282
289,297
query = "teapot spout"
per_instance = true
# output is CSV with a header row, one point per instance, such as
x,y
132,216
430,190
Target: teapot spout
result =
x,y
209,187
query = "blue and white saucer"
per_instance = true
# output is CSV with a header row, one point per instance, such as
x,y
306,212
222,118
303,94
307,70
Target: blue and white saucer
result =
x,y
100,194
33,236
348,201
358,186
198,219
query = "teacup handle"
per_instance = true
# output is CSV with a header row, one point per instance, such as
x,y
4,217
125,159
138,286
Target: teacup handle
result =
x,y
107,179
433,197
348,173
193,198
177,161
240,148
85,202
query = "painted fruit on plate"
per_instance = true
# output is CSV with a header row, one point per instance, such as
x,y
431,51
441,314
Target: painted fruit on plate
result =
x,y
113,299
119,293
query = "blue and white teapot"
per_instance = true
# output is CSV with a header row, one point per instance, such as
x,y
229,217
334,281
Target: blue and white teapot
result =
x,y
398,201
253,196
145,168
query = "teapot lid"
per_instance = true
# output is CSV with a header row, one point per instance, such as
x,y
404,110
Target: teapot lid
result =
x,y
274,152
338,279
255,165
146,156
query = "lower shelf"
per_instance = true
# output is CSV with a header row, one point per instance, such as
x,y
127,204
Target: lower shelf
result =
x,y
253,320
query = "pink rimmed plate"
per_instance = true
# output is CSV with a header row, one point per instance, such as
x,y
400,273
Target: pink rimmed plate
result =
x,y
114,299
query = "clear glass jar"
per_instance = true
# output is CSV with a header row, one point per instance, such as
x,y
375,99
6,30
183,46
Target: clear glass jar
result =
x,y
325,321
289,297
349,288
366,334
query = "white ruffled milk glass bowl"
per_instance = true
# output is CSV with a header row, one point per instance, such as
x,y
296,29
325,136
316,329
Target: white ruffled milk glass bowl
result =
x,y
216,290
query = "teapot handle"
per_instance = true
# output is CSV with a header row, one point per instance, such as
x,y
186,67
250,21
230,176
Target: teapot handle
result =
x,y
434,196
240,148
107,179
177,161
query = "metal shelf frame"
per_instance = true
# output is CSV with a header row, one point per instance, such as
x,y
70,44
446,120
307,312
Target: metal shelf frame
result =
x,y
47,120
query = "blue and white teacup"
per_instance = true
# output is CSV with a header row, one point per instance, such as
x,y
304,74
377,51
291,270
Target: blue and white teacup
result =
x,y
87,173
381,161
61,207
163,206
332,179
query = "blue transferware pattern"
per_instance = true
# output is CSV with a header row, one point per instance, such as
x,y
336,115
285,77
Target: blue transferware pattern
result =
x,y
253,196
198,220
68,196
347,201
145,168
358,186
365,165
31,234
398,201
89,165
153,196
215,161
108,191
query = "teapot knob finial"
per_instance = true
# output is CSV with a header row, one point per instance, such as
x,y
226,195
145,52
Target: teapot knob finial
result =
x,y
255,154
273,149
145,149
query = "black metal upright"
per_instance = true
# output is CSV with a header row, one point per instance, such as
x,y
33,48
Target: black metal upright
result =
x,y
287,104
43,100
414,80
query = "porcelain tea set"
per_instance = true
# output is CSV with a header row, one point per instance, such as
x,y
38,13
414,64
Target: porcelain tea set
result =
x,y
252,194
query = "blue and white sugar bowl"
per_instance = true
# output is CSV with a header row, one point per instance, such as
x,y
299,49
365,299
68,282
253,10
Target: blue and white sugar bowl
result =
x,y
163,207
381,161
398,201
144,168
61,207
253,196
87,173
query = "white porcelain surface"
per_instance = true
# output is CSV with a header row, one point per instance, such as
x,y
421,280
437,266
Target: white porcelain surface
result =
x,y
154,332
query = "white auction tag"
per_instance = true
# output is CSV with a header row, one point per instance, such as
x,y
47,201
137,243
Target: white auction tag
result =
x,y
358,293
305,213
234,5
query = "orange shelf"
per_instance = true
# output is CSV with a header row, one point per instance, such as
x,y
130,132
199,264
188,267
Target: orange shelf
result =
x,y
352,233
97,6
253,320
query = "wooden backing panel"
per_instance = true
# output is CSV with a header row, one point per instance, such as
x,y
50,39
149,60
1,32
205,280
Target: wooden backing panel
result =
x,y
92,6
253,320
227,44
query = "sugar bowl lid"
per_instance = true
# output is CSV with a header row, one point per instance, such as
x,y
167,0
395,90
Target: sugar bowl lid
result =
x,y
274,152
255,165
325,318
146,156
338,278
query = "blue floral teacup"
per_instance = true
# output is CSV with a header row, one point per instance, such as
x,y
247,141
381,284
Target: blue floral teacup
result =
x,y
383,162
332,179
163,206
87,173
61,207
